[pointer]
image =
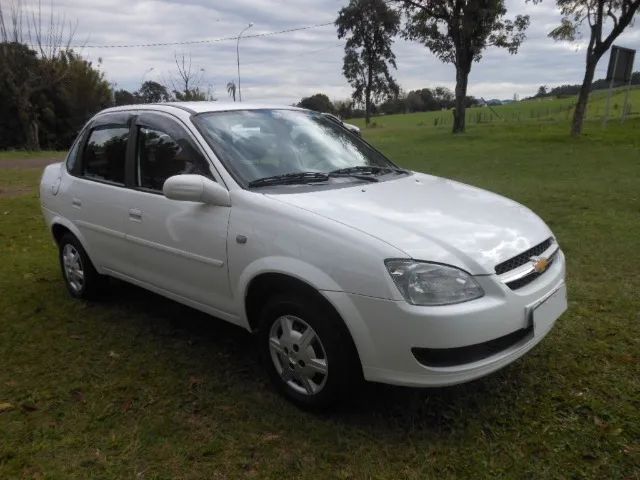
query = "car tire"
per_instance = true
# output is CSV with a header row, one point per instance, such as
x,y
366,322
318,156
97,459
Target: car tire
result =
x,y
80,276
307,350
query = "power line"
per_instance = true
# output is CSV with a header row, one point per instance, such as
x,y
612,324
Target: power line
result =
x,y
196,42
294,56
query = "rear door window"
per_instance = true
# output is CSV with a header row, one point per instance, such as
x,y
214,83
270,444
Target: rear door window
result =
x,y
105,153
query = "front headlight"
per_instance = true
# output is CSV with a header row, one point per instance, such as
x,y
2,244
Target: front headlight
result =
x,y
423,283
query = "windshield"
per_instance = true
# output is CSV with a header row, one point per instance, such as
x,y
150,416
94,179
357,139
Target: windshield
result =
x,y
259,144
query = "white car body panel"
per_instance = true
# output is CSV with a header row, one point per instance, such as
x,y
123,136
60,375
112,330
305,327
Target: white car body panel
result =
x,y
166,247
334,240
100,216
387,358
287,240
432,218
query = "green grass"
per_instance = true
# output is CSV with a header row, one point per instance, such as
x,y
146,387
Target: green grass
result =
x,y
540,110
136,386
26,154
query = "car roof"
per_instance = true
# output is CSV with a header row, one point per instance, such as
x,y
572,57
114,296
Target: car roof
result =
x,y
199,107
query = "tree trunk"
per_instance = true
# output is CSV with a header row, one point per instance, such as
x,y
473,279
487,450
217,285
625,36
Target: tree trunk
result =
x,y
28,124
583,97
462,79
34,140
367,106
367,95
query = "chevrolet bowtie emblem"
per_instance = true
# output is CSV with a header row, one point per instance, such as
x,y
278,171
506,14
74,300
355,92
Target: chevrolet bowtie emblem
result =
x,y
540,264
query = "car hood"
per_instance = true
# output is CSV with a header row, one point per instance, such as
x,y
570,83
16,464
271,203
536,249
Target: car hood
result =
x,y
431,218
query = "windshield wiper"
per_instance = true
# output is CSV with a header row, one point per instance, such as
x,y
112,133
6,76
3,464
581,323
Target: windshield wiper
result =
x,y
290,179
364,172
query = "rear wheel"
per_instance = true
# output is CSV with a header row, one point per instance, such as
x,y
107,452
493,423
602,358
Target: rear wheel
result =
x,y
307,350
80,276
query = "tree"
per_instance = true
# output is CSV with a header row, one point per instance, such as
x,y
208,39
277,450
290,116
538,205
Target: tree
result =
x,y
83,92
458,32
47,91
343,108
318,102
414,102
428,99
444,97
191,95
20,88
125,97
34,113
542,91
597,13
471,101
186,85
395,104
370,26
231,89
153,92
51,36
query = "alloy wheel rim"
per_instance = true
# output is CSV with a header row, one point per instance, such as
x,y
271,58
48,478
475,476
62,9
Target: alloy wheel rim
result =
x,y
73,269
298,355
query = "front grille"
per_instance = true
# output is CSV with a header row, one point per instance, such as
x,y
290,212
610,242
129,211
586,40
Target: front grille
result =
x,y
522,258
450,357
521,282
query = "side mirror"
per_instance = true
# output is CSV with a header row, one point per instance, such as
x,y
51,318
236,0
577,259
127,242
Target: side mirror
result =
x,y
348,126
196,188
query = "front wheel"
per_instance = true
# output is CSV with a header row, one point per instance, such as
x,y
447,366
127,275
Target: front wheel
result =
x,y
307,350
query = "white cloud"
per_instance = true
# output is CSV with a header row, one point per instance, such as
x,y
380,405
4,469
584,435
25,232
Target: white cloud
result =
x,y
284,68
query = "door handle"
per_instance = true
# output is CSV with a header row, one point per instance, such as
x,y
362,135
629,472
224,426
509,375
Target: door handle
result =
x,y
76,202
135,214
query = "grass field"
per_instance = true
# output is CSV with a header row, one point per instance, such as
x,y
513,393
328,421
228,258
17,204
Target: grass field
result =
x,y
136,386
23,154
539,110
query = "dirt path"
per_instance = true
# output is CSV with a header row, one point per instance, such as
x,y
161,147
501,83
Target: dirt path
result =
x,y
15,191
28,162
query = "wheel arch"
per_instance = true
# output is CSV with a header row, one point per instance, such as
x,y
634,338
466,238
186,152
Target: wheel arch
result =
x,y
282,268
58,230
266,284
60,226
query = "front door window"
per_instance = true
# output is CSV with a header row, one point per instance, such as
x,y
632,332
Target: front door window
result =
x,y
159,157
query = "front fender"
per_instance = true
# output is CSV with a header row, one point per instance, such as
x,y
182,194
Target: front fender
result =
x,y
292,267
320,281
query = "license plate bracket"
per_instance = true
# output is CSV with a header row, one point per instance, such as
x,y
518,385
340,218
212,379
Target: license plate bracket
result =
x,y
544,313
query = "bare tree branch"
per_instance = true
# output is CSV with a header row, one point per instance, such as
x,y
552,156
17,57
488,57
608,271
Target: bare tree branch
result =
x,y
186,83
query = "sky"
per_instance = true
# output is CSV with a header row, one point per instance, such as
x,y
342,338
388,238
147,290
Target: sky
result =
x,y
284,68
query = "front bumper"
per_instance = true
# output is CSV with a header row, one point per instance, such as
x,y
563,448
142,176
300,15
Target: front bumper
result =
x,y
385,331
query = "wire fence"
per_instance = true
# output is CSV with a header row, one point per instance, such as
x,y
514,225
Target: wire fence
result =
x,y
536,111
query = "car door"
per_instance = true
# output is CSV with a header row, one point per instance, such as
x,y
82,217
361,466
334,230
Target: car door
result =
x,y
96,183
177,246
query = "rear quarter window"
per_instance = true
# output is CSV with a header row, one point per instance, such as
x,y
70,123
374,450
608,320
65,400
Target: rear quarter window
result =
x,y
72,157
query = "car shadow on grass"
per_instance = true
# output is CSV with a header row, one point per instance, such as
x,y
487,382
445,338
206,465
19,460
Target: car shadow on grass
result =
x,y
224,351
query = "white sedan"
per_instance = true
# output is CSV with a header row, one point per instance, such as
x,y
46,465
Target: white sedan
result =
x,y
286,223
